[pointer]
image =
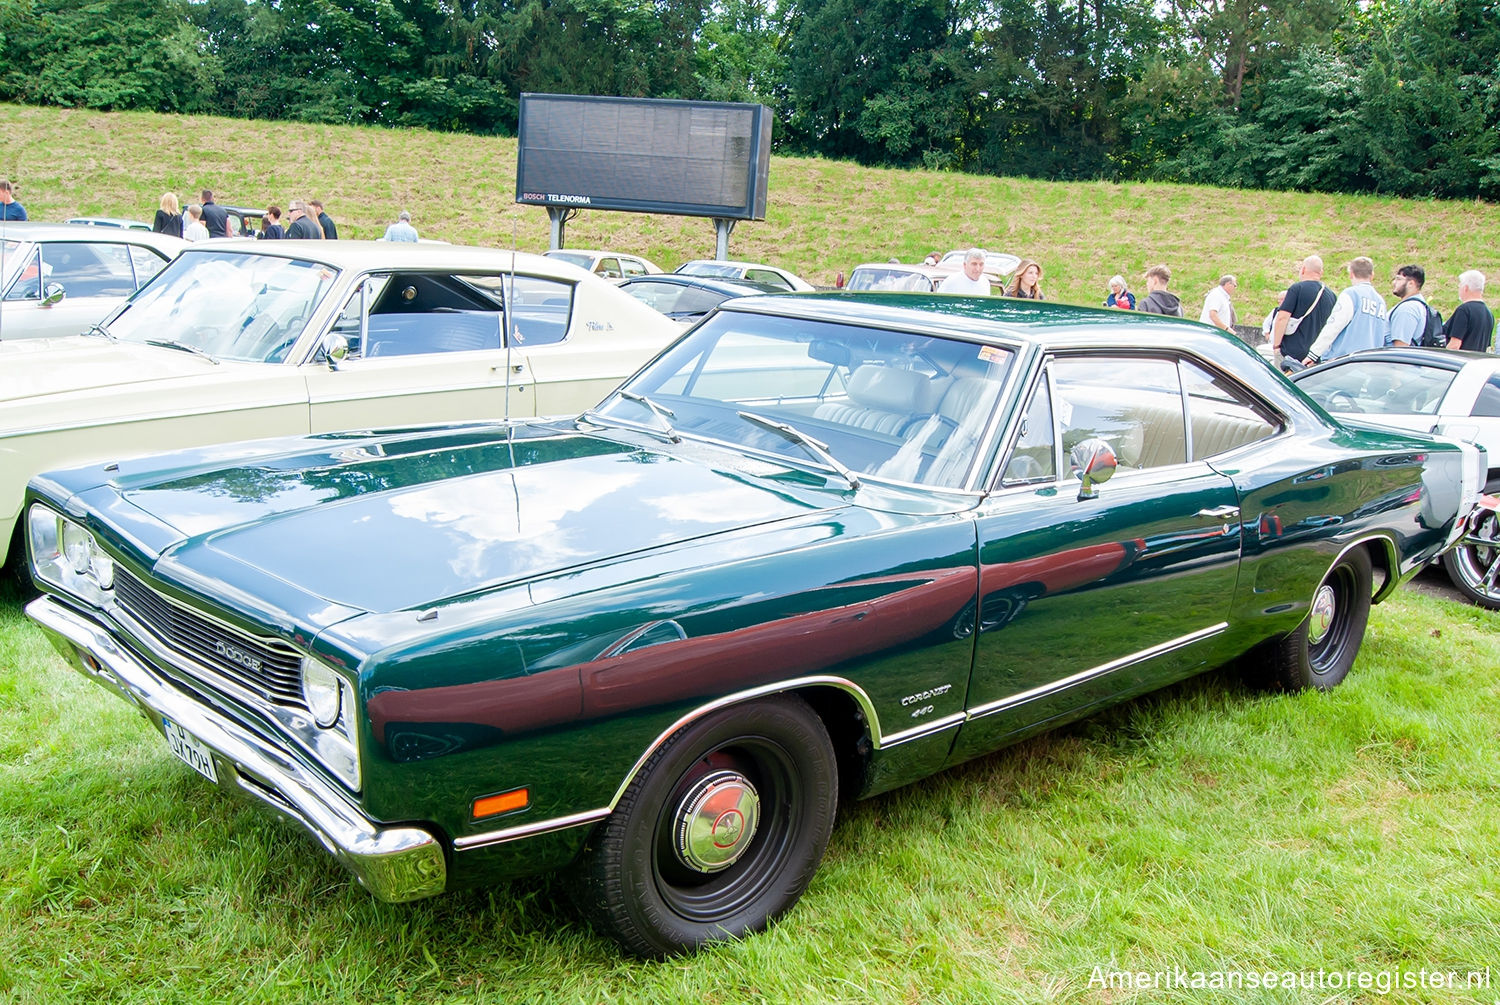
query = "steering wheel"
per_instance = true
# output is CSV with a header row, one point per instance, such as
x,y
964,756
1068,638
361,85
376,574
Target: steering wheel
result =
x,y
1342,401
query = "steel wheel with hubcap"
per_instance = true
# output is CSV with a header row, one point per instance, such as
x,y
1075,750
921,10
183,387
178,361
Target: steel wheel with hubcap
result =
x,y
1474,564
1322,649
719,833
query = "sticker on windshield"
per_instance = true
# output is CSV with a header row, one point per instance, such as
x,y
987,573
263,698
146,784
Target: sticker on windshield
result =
x,y
990,354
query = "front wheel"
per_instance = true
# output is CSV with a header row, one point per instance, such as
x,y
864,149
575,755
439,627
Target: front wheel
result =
x,y
719,834
1322,649
1474,563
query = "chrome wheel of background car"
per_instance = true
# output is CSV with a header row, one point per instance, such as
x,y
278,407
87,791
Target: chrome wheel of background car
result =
x,y
1322,649
1474,565
718,834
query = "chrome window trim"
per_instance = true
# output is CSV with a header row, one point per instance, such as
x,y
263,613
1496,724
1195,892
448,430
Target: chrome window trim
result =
x,y
1083,676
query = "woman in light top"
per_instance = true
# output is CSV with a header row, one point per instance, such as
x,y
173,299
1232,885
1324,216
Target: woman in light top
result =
x,y
1120,295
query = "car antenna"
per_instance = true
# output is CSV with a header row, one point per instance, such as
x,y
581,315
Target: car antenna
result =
x,y
505,332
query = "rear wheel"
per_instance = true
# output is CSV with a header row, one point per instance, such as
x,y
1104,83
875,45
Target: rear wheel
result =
x,y
1474,565
1322,649
719,834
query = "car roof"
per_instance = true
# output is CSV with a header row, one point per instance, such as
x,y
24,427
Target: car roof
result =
x,y
596,252
733,287
1447,359
388,255
110,221
28,231
737,263
1039,322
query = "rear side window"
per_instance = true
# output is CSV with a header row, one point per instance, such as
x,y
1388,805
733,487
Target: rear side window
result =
x,y
1488,402
1220,418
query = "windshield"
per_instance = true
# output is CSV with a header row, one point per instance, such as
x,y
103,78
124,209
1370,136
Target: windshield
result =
x,y
573,258
888,279
239,307
1378,387
888,404
711,269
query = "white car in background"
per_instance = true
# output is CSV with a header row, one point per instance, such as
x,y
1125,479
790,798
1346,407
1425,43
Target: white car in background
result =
x,y
1452,393
243,339
59,278
606,264
718,268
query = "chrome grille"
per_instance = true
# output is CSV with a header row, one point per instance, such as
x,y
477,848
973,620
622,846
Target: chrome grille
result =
x,y
264,667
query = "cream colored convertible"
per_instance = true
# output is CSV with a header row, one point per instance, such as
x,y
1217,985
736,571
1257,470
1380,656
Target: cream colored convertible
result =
x,y
234,341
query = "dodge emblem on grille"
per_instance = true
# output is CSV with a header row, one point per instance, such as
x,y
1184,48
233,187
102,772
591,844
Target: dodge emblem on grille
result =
x,y
235,654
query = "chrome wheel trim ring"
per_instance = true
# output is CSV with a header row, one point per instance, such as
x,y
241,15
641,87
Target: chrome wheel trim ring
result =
x,y
715,822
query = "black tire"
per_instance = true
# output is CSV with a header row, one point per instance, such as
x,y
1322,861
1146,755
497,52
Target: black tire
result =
x,y
1322,649
1474,564
642,879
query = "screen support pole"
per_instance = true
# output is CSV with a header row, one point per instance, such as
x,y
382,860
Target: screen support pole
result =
x,y
559,216
722,229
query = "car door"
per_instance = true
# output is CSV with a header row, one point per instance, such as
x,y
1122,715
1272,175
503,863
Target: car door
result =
x,y
424,347
1086,596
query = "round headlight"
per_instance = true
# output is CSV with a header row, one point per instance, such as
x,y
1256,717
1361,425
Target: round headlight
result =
x,y
321,691
77,547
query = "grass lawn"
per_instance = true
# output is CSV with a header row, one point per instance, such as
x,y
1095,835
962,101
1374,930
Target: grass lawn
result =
x,y
1205,828
823,218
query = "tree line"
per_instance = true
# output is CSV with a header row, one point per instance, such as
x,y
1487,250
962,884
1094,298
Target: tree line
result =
x,y
1390,96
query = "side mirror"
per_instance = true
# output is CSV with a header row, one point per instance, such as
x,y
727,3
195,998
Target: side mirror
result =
x,y
52,294
1094,461
336,348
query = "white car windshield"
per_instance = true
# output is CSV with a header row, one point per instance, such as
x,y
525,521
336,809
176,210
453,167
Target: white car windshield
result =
x,y
890,405
231,306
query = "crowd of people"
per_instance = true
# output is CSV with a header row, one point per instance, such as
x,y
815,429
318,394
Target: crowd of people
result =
x,y
306,220
1310,323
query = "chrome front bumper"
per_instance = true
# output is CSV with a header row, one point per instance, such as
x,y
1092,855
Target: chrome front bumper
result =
x,y
394,863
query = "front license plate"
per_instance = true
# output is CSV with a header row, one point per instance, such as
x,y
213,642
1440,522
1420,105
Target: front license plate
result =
x,y
188,747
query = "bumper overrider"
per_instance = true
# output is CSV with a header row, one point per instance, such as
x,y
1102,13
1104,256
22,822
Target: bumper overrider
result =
x,y
395,864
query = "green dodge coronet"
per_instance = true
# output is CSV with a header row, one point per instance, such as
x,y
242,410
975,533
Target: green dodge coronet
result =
x,y
822,546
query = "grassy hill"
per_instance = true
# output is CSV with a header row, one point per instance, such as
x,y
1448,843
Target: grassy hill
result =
x,y
824,217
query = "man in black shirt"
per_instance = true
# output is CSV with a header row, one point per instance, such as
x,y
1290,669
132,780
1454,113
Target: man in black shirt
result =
x,y
1303,311
1472,324
215,217
303,226
330,232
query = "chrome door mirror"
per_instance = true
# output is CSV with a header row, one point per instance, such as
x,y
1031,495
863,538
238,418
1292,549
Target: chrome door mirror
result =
x,y
53,294
1094,462
336,348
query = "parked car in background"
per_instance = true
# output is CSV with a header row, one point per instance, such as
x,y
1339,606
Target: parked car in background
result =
x,y
997,264
897,277
688,298
823,546
770,275
606,264
237,339
59,278
1443,391
115,222
246,222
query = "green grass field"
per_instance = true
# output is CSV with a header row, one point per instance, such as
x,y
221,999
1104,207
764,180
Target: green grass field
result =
x,y
824,217
1205,828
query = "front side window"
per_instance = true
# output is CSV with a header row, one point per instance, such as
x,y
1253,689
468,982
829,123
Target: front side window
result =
x,y
1133,403
89,270
28,281
770,278
886,404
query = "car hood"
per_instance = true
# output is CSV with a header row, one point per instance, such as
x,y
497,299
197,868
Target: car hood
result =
x,y
81,364
405,520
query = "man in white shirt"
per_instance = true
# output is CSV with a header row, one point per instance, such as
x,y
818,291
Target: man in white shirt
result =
x,y
1218,310
971,281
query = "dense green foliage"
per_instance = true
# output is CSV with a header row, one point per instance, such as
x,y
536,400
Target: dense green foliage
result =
x,y
1390,96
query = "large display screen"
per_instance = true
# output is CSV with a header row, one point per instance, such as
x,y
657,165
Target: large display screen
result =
x,y
645,155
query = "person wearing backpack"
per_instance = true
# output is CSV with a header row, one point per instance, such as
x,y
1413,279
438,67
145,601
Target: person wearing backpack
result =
x,y
1413,321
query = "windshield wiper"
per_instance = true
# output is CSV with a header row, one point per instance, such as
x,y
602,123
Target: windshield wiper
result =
x,y
167,343
664,416
817,448
98,329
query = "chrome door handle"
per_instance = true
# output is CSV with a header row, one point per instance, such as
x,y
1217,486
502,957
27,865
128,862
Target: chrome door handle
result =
x,y
1220,512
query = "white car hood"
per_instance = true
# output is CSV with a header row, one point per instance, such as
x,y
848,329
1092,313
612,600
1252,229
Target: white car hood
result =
x,y
89,378
30,368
